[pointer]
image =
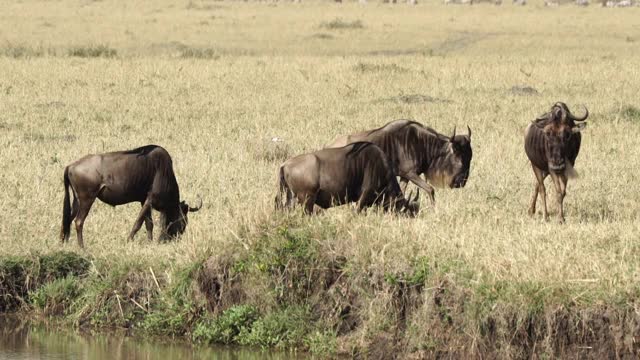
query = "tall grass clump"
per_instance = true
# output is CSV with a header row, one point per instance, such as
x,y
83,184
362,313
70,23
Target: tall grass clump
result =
x,y
631,113
340,24
17,51
92,51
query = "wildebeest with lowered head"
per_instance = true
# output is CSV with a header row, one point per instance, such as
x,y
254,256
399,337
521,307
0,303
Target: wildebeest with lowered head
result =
x,y
552,143
142,175
414,149
359,172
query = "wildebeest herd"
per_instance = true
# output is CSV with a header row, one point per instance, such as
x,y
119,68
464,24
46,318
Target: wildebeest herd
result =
x,y
361,168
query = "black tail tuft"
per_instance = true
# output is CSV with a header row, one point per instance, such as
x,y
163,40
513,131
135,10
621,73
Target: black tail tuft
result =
x,y
66,209
283,189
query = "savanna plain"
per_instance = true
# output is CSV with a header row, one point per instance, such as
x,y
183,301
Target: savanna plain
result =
x,y
232,89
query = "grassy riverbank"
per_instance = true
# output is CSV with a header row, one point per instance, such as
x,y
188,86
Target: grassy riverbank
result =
x,y
214,82
296,283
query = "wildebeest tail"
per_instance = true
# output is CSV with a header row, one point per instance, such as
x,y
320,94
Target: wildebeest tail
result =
x,y
283,190
66,208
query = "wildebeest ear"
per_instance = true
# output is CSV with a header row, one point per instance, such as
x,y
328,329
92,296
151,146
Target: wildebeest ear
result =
x,y
579,127
453,136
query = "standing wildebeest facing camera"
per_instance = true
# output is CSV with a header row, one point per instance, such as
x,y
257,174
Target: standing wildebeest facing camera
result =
x,y
552,143
142,175
359,172
414,149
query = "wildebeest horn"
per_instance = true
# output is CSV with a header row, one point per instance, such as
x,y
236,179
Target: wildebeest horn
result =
x,y
194,209
586,115
454,133
417,195
469,130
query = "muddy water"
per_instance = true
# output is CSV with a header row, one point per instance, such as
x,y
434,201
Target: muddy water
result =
x,y
21,340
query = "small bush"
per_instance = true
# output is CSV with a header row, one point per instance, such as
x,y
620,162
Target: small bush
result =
x,y
174,314
366,67
199,53
322,343
15,281
92,51
272,151
339,24
285,329
22,51
62,264
226,328
631,113
56,297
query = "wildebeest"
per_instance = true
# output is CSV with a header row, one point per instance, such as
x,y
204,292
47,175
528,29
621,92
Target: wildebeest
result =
x,y
552,143
359,172
142,175
414,149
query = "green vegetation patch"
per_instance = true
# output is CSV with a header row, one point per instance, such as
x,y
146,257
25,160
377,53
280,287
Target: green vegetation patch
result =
x,y
92,51
20,275
340,24
631,113
18,51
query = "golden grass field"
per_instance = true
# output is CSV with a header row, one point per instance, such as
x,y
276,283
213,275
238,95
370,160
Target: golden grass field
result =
x,y
213,82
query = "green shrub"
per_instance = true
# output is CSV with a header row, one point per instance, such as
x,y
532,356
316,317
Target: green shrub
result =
x,y
339,24
322,343
56,297
92,51
285,328
62,264
15,281
227,327
631,113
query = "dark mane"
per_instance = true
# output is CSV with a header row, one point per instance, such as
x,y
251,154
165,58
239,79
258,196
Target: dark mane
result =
x,y
358,147
142,150
408,122
435,133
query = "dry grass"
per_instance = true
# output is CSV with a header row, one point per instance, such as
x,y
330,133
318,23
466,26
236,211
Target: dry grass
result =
x,y
215,110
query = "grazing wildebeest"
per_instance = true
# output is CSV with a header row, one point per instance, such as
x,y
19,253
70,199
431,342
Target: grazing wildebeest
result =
x,y
414,149
144,175
359,172
552,143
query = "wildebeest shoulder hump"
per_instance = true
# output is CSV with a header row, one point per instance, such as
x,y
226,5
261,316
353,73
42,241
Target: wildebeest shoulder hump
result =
x,y
357,147
143,150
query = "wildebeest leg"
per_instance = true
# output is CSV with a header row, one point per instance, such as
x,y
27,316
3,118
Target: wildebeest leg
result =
x,y
148,223
309,202
367,198
74,213
84,204
416,179
540,189
560,181
141,217
534,198
404,183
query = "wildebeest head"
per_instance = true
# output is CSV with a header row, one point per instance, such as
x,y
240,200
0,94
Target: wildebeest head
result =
x,y
558,126
454,169
176,224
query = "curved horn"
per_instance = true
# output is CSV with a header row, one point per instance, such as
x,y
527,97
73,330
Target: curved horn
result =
x,y
194,209
454,133
417,195
583,118
469,131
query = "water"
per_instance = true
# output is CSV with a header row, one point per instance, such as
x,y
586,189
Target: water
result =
x,y
20,340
